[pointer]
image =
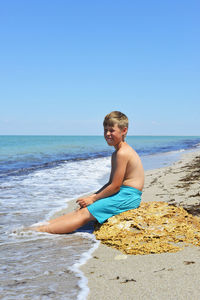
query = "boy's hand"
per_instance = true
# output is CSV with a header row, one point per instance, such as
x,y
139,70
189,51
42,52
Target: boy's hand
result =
x,y
84,202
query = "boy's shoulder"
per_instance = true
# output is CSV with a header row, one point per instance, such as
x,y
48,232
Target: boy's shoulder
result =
x,y
125,151
126,148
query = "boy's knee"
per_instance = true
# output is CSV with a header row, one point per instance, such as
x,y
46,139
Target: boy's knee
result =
x,y
86,214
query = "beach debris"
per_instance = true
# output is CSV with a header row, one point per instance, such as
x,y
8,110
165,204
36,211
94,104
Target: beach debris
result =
x,y
163,269
116,278
154,227
192,174
189,262
128,280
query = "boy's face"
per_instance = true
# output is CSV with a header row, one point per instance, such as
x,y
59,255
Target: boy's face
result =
x,y
114,135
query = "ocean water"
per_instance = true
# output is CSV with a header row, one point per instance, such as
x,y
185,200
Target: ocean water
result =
x,y
39,175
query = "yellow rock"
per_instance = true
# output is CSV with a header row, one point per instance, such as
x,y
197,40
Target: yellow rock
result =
x,y
154,227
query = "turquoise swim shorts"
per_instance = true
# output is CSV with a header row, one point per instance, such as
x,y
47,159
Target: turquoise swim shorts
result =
x,y
127,198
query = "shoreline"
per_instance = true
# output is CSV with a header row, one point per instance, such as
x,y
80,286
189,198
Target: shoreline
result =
x,y
113,275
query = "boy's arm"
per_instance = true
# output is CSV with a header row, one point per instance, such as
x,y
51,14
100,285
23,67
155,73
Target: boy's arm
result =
x,y
113,186
110,179
118,173
102,188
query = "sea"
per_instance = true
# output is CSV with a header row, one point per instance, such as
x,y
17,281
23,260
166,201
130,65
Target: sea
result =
x,y
39,176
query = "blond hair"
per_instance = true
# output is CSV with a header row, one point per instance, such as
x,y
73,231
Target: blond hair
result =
x,y
116,117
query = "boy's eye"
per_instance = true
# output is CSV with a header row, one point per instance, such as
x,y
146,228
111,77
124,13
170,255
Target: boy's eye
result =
x,y
110,130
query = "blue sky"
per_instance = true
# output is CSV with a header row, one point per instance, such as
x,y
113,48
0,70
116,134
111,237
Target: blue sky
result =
x,y
65,64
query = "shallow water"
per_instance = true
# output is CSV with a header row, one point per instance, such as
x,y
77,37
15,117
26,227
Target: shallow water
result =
x,y
34,265
40,268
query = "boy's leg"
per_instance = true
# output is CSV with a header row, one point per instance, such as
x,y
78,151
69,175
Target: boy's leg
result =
x,y
68,223
63,217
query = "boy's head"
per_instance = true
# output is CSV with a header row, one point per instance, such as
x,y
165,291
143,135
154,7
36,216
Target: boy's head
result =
x,y
116,118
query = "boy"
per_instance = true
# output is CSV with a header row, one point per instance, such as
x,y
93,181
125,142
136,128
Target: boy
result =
x,y
123,190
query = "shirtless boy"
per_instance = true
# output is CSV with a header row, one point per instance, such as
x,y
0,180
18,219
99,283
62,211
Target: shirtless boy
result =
x,y
123,190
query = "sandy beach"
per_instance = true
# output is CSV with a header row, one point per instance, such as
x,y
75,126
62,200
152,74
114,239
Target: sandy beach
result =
x,y
114,275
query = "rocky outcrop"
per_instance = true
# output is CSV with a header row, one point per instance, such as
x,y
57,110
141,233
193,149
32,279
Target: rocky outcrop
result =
x,y
154,227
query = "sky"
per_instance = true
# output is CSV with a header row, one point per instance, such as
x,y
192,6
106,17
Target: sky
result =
x,y
65,64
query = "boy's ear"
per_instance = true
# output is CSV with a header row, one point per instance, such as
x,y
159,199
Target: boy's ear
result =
x,y
125,129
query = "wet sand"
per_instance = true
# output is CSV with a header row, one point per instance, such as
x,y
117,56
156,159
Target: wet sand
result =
x,y
113,275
